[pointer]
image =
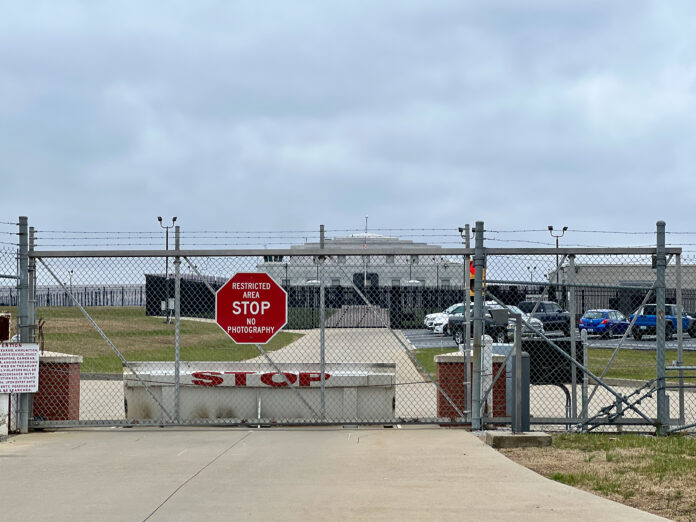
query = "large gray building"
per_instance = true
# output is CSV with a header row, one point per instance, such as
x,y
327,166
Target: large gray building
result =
x,y
623,275
623,286
403,268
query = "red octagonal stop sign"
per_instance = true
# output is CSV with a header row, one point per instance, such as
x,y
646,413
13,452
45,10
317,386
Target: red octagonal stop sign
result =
x,y
251,308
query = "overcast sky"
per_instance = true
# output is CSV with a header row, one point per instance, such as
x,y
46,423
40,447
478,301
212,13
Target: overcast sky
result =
x,y
248,115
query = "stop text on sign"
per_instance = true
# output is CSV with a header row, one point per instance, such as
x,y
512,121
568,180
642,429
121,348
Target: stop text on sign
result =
x,y
262,379
250,307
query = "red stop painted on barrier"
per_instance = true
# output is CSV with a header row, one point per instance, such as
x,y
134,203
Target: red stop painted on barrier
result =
x,y
251,308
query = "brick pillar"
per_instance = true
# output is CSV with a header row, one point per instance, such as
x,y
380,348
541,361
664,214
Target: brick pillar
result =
x,y
452,377
58,397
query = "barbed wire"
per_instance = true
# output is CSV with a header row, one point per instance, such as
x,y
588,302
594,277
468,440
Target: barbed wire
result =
x,y
516,231
622,232
117,244
548,243
536,230
132,232
265,238
8,223
263,242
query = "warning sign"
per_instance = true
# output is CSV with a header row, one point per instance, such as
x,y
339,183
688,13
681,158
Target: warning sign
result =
x,y
19,368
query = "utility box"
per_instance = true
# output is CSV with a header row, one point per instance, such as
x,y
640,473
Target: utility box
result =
x,y
5,319
524,394
547,365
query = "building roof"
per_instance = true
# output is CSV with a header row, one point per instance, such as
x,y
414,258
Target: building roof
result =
x,y
366,240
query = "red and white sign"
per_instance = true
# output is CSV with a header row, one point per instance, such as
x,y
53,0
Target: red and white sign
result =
x,y
251,308
19,368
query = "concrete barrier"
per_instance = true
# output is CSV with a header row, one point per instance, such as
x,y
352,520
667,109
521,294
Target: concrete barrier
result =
x,y
245,391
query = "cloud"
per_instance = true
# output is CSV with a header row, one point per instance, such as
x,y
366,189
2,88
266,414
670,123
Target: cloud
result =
x,y
240,115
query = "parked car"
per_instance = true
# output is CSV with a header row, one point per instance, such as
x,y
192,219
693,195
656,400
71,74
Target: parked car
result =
x,y
646,322
456,325
604,322
536,325
500,332
549,313
440,318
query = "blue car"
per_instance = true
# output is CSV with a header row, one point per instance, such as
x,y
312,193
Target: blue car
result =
x,y
604,322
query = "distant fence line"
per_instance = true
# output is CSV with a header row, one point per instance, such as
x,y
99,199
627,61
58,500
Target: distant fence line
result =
x,y
88,295
197,301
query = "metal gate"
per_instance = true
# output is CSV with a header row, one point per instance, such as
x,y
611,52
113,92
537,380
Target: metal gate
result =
x,y
129,337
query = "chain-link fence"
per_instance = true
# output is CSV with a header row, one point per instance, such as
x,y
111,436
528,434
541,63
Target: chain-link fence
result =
x,y
8,312
374,335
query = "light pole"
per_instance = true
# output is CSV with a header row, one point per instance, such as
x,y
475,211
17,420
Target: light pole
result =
x,y
557,236
531,269
71,292
166,262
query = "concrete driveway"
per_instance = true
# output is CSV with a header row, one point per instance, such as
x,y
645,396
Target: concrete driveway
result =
x,y
421,473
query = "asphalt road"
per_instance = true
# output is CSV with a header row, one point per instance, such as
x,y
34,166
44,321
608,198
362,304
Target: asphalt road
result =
x,y
426,339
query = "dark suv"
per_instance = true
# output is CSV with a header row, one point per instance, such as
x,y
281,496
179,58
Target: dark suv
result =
x,y
550,314
498,331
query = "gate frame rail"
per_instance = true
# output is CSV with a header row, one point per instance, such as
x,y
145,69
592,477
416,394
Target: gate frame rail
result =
x,y
324,252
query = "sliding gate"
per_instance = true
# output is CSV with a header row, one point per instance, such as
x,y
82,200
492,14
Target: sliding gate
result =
x,y
130,338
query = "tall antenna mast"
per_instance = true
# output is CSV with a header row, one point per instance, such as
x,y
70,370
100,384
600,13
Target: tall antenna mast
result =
x,y
365,259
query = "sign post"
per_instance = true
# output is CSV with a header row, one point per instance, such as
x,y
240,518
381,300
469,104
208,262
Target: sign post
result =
x,y
251,308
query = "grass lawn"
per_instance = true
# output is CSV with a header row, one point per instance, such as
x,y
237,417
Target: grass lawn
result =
x,y
628,364
649,473
140,338
426,356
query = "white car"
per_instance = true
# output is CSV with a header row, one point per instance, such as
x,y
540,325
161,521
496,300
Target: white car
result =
x,y
440,318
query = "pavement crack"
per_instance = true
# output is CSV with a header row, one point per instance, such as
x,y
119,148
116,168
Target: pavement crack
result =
x,y
194,476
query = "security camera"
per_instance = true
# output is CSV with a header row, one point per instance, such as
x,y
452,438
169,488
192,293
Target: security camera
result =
x,y
461,229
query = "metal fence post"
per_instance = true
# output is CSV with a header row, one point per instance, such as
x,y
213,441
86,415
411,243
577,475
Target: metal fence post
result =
x,y
573,342
322,325
177,324
585,379
479,261
31,281
26,321
680,341
660,264
517,428
467,290
23,308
